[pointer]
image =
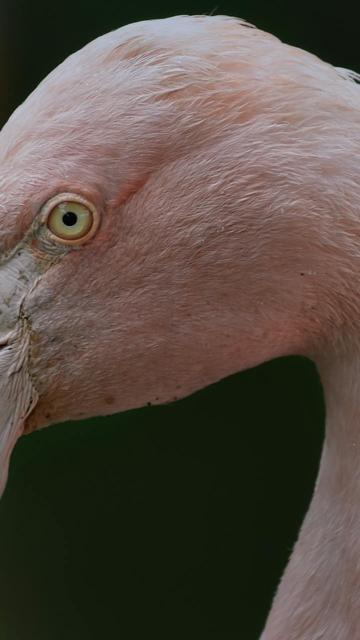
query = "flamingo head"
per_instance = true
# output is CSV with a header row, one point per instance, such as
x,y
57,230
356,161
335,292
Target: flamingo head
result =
x,y
166,216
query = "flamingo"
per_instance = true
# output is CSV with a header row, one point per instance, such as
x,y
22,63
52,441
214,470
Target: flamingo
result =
x,y
179,201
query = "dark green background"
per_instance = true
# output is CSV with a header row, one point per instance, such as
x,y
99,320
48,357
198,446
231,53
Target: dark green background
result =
x,y
177,520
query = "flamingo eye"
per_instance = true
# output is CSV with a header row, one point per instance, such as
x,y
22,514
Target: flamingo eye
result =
x,y
71,221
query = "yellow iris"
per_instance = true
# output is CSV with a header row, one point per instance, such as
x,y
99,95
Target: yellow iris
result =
x,y
70,220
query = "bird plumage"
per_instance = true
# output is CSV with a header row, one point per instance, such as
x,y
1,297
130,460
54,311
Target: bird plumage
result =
x,y
222,164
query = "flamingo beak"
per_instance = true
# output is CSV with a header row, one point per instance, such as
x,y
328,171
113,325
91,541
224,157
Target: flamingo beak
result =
x,y
18,273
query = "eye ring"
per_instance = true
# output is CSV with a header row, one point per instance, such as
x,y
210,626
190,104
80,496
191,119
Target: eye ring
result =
x,y
70,219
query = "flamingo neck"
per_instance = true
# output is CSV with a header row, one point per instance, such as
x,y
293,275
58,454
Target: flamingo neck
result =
x,y
319,594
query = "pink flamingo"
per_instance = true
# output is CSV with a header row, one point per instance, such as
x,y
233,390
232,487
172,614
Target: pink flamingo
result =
x,y
180,200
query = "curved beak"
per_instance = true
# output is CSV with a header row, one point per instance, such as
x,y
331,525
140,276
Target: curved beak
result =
x,y
18,273
17,396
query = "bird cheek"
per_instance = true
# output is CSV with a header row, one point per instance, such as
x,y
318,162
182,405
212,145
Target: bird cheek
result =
x,y
40,417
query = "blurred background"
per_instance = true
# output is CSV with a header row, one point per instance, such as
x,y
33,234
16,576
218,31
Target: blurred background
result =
x,y
175,520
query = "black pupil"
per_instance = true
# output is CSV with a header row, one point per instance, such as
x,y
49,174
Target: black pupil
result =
x,y
69,218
